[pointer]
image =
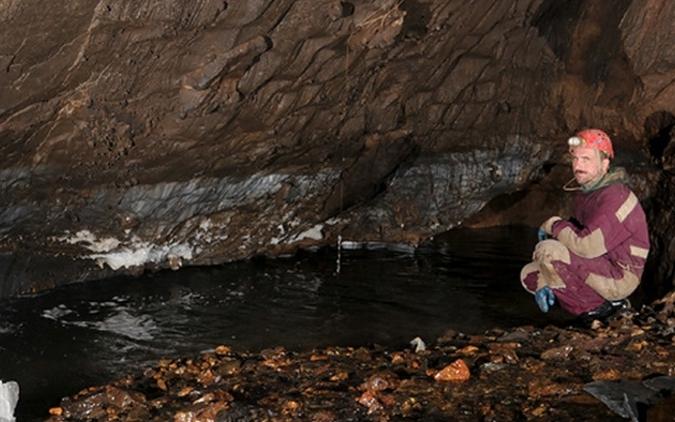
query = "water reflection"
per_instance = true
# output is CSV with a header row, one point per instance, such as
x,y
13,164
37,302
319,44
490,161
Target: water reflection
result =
x,y
72,337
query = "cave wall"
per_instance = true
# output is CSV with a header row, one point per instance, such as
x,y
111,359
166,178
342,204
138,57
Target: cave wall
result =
x,y
165,133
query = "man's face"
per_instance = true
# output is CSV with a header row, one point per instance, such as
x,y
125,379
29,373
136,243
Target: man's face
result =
x,y
588,164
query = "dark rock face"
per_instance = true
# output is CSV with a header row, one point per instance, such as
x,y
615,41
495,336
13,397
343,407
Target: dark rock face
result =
x,y
661,265
174,133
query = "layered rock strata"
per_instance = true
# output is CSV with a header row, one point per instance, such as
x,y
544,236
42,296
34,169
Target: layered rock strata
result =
x,y
178,133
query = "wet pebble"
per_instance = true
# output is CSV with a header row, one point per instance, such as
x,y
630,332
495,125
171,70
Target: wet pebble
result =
x,y
557,353
457,371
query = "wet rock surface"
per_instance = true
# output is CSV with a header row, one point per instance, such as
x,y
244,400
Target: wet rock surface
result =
x,y
190,133
204,220
661,264
522,374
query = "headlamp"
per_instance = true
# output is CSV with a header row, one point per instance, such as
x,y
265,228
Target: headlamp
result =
x,y
575,141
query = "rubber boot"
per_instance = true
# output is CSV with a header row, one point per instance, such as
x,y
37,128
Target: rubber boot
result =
x,y
604,311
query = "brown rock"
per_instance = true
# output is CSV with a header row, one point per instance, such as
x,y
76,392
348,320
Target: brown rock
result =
x,y
410,406
56,411
637,346
487,411
557,353
388,400
520,334
583,399
206,398
544,388
228,367
317,357
447,336
324,416
607,375
468,350
397,358
538,411
223,350
340,376
184,416
200,413
369,400
593,345
206,378
276,358
122,398
457,371
505,351
291,407
185,391
381,381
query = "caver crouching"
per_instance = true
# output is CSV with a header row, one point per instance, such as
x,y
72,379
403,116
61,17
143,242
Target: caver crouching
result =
x,y
592,262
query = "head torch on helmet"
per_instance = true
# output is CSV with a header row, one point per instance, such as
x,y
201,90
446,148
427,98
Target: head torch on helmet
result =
x,y
575,141
593,138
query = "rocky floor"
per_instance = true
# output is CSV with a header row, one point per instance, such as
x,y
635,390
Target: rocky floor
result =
x,y
522,374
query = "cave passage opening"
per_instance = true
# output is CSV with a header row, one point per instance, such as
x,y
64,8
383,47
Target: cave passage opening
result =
x,y
659,128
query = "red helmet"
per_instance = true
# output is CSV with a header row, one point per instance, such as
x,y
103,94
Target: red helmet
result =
x,y
593,138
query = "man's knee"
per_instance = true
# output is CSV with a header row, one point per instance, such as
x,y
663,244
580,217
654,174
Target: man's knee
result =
x,y
550,250
545,254
529,277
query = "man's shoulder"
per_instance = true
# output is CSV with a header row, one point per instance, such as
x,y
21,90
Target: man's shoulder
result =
x,y
618,187
615,193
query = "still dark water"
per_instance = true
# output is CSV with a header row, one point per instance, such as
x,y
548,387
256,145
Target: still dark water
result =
x,y
57,343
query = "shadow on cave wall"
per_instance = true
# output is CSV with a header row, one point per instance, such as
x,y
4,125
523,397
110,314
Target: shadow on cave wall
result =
x,y
660,130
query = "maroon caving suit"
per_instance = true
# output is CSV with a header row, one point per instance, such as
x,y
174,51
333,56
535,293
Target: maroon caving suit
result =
x,y
601,257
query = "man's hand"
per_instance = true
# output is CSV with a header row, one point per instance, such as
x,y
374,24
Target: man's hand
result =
x,y
547,226
544,298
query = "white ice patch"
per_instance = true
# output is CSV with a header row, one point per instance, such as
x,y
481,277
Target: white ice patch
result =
x,y
90,241
140,253
136,252
208,232
314,233
205,225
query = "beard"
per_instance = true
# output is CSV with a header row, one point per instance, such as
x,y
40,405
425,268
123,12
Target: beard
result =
x,y
586,178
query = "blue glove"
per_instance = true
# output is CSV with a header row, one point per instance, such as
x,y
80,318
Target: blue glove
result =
x,y
544,298
542,235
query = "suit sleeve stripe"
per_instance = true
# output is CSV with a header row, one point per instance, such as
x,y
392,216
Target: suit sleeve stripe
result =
x,y
591,246
639,252
628,205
